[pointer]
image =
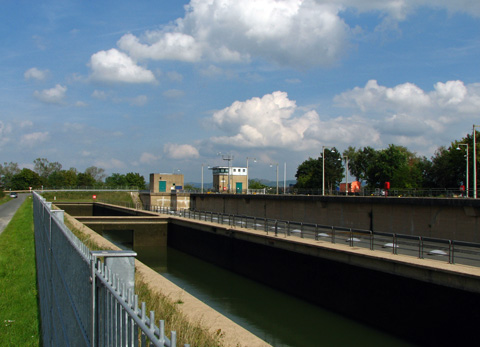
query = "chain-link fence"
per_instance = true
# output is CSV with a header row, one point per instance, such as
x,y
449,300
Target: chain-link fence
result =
x,y
83,301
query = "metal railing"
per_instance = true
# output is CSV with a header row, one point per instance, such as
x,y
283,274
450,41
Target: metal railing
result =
x,y
83,301
451,251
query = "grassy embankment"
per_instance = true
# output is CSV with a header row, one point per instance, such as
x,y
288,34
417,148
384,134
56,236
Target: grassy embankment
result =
x,y
120,198
19,324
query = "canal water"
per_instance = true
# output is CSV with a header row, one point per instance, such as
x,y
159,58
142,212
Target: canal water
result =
x,y
275,317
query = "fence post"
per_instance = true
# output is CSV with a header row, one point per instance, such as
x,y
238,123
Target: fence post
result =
x,y
420,247
118,262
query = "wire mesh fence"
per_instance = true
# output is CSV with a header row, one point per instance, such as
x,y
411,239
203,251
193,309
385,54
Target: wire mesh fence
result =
x,y
82,301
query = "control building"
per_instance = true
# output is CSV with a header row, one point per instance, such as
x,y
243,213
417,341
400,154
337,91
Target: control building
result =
x,y
232,182
165,182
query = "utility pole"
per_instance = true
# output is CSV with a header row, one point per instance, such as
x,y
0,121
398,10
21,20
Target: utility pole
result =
x,y
228,158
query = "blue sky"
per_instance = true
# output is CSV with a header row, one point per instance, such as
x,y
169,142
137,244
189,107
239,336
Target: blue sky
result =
x,y
168,85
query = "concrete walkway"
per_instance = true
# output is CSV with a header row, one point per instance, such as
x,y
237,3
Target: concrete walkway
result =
x,y
8,209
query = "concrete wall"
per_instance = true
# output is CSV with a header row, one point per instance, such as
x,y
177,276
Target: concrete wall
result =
x,y
174,201
401,298
455,219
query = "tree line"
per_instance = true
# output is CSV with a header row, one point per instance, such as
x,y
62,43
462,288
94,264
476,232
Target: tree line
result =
x,y
47,174
402,168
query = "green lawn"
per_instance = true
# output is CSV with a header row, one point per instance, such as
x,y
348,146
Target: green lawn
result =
x,y
87,196
19,322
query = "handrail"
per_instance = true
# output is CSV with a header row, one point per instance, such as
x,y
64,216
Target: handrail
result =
x,y
413,245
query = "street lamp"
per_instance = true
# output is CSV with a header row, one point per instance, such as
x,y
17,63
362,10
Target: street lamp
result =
x,y
254,160
202,176
277,174
228,158
474,162
466,176
323,169
346,174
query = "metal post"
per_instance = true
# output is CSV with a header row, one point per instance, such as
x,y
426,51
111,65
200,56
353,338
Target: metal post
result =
x,y
466,174
254,160
323,169
474,162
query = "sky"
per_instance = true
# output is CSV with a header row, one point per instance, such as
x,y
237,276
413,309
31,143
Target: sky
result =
x,y
175,86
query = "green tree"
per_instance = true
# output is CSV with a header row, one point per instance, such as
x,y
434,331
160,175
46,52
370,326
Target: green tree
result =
x,y
397,165
310,172
7,171
25,179
70,177
135,180
359,161
116,180
44,168
56,180
98,174
85,180
448,167
255,184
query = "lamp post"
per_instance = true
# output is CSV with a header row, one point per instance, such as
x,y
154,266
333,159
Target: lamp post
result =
x,y
228,158
323,169
474,162
254,160
202,177
277,174
466,175
346,174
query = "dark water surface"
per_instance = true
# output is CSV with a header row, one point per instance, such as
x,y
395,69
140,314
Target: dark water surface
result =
x,y
278,318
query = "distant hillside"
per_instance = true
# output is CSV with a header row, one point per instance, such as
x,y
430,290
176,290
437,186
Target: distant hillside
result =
x,y
265,182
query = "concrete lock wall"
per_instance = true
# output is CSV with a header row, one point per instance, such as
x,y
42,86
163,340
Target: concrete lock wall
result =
x,y
414,309
174,201
455,219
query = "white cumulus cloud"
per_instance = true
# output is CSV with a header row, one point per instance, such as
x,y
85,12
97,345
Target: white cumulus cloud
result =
x,y
269,121
115,66
407,115
36,74
302,33
176,151
54,95
34,139
148,158
110,164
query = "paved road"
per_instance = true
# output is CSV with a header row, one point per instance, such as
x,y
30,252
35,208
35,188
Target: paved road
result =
x,y
8,209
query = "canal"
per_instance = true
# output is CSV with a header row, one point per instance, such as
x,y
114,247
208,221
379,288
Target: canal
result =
x,y
275,317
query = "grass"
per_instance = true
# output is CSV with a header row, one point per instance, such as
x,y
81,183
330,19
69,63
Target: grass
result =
x,y
87,196
187,332
19,324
